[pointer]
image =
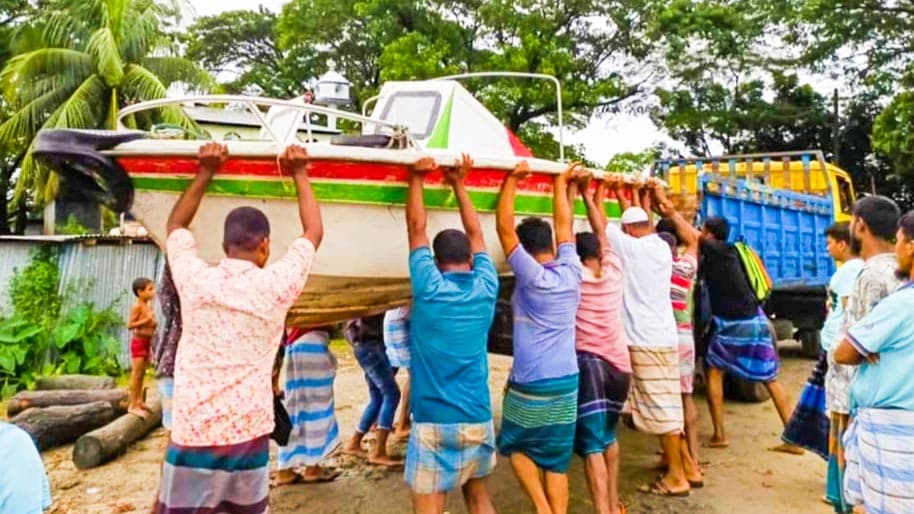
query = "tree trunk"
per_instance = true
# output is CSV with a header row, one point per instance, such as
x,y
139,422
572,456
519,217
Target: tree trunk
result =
x,y
74,382
53,426
106,443
28,399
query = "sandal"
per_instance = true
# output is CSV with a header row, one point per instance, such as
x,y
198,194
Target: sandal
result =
x,y
326,475
661,490
694,484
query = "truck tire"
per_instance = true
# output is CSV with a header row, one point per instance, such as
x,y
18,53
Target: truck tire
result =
x,y
743,391
810,341
783,328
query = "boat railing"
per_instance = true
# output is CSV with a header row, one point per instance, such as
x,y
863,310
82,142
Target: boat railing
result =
x,y
253,105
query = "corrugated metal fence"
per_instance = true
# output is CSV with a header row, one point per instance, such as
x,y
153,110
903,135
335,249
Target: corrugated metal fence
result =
x,y
100,270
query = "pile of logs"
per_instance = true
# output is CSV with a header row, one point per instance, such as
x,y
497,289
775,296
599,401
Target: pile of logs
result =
x,y
85,409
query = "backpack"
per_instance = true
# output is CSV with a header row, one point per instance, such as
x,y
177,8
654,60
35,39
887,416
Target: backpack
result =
x,y
756,273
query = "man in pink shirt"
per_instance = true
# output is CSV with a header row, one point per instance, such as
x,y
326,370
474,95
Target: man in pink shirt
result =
x,y
603,357
233,316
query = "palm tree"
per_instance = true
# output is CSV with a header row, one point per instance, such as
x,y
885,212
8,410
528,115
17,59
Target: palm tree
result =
x,y
77,63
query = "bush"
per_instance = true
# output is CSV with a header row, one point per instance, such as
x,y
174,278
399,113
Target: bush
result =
x,y
42,337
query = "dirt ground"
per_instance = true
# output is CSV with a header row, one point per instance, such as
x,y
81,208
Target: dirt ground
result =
x,y
746,478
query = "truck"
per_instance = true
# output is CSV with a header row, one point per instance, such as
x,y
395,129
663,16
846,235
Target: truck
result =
x,y
780,204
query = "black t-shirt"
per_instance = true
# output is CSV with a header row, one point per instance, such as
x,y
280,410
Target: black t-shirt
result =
x,y
726,282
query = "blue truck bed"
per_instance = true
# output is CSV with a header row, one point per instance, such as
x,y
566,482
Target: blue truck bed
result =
x,y
786,228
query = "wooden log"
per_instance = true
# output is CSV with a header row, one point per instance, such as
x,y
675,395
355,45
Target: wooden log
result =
x,y
28,399
106,443
74,382
53,426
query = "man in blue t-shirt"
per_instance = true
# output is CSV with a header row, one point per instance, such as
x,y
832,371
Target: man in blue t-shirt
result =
x,y
540,405
878,443
452,443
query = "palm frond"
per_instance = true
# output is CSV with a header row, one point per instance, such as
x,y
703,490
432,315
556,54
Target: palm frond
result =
x,y
104,48
25,122
63,28
84,108
141,84
140,38
177,69
20,71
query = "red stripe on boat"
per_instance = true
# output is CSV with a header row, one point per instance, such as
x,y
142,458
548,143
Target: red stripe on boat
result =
x,y
325,169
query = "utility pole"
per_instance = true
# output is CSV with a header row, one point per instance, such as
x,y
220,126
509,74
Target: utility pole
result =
x,y
836,128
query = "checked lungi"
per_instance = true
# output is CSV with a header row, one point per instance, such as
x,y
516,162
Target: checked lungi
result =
x,y
744,348
233,479
538,420
602,390
656,399
808,425
879,450
443,456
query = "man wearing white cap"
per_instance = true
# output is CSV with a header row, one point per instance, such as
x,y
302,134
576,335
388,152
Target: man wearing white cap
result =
x,y
653,339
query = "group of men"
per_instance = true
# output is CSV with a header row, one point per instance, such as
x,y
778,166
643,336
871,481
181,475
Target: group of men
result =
x,y
601,319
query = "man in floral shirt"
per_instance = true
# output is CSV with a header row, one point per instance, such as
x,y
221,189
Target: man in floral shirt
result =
x,y
233,318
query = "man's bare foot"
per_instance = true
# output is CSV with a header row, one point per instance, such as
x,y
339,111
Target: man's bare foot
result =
x,y
401,435
354,452
717,442
386,461
317,474
138,412
788,449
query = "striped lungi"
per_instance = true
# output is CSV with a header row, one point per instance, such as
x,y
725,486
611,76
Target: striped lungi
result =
x,y
538,420
602,390
656,400
310,369
232,479
878,449
744,348
808,425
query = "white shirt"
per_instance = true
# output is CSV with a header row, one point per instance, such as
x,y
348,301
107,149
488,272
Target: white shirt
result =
x,y
647,312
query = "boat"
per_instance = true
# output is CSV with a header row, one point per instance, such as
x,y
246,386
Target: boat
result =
x,y
360,180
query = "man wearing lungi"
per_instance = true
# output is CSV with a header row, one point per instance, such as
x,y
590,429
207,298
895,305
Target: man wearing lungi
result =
x,y
740,342
653,340
452,441
233,316
873,229
540,404
603,360
878,442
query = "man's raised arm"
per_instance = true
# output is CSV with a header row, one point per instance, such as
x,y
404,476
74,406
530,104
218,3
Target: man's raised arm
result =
x,y
689,235
596,209
416,217
504,213
212,156
455,178
561,208
295,161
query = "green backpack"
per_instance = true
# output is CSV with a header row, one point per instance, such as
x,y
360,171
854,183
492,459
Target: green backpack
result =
x,y
756,273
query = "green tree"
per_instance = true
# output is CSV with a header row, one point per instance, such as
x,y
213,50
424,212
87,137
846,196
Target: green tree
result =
x,y
595,48
12,12
77,63
244,44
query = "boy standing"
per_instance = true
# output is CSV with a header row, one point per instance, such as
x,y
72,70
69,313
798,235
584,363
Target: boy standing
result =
x,y
540,405
233,318
142,322
452,442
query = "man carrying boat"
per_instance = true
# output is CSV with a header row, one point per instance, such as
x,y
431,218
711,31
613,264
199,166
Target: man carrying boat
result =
x,y
233,315
452,442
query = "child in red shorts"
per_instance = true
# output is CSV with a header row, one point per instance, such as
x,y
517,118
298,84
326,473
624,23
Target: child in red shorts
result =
x,y
142,323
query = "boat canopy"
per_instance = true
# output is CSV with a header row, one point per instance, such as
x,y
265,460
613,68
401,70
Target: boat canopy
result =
x,y
442,114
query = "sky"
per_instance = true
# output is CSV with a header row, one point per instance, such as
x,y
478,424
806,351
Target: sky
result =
x,y
602,138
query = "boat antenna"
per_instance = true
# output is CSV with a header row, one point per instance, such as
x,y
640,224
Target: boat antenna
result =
x,y
517,74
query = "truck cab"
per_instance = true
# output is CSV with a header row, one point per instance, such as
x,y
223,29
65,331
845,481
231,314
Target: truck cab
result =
x,y
779,203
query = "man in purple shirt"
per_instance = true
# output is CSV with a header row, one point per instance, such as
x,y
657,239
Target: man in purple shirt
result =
x,y
540,405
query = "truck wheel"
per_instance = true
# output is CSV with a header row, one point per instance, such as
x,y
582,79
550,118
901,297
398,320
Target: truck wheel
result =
x,y
743,391
810,341
783,328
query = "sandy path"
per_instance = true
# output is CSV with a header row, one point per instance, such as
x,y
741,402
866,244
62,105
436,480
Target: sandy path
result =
x,y
744,478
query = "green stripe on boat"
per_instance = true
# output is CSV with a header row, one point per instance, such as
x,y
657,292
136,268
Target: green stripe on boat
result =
x,y
441,134
360,193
